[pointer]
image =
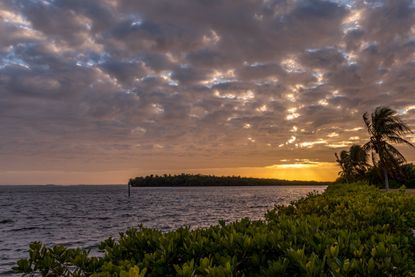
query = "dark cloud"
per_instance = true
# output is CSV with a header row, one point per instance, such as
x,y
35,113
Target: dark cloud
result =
x,y
157,84
325,58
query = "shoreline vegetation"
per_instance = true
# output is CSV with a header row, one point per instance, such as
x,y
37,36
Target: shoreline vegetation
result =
x,y
389,166
198,180
348,230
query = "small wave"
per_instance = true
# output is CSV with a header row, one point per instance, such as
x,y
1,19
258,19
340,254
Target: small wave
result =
x,y
8,272
125,215
5,221
93,246
99,218
25,229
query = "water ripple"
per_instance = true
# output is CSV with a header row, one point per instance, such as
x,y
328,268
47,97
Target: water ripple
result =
x,y
82,216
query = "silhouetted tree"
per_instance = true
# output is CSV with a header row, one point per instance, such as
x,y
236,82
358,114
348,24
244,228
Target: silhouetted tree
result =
x,y
408,174
344,162
385,126
358,160
209,180
353,163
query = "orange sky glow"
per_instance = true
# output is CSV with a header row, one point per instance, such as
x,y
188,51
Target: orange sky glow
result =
x,y
101,92
319,172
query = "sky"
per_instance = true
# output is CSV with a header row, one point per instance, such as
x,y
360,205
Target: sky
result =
x,y
99,91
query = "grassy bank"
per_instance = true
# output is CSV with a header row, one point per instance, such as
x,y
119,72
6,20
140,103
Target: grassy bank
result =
x,y
409,191
348,230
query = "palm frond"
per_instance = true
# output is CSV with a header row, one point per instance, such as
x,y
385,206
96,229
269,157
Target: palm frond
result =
x,y
368,146
368,123
393,153
397,139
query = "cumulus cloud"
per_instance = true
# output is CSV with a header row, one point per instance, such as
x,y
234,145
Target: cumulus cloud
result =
x,y
108,85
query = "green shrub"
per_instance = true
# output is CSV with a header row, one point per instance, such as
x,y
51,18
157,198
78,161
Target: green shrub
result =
x,y
411,183
348,230
394,184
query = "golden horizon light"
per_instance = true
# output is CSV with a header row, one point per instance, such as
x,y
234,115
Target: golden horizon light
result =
x,y
109,90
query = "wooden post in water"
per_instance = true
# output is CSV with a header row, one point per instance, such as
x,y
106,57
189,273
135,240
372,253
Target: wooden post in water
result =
x,y
129,188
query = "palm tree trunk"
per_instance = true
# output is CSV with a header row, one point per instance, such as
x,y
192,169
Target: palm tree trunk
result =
x,y
385,175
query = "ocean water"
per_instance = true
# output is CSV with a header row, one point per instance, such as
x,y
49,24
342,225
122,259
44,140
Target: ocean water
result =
x,y
82,216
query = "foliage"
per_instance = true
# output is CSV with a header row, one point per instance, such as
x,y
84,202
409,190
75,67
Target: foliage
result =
x,y
187,180
348,230
407,175
353,163
385,126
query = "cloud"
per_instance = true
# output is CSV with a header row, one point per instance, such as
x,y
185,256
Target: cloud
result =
x,y
80,81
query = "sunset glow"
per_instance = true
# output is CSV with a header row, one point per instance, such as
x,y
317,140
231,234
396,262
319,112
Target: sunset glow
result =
x,y
104,91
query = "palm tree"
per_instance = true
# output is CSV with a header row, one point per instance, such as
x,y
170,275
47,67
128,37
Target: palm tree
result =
x,y
344,162
385,126
353,163
358,160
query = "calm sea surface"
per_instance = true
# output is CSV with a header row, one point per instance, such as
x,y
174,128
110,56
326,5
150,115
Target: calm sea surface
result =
x,y
82,216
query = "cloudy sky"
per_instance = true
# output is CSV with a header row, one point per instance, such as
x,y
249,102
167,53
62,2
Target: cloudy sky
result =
x,y
99,91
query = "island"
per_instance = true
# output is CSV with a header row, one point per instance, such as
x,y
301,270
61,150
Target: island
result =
x,y
198,180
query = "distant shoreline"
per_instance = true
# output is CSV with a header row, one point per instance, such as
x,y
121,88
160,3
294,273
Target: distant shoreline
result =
x,y
207,186
188,180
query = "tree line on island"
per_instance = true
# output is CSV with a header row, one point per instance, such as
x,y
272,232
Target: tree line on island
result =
x,y
198,180
388,165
